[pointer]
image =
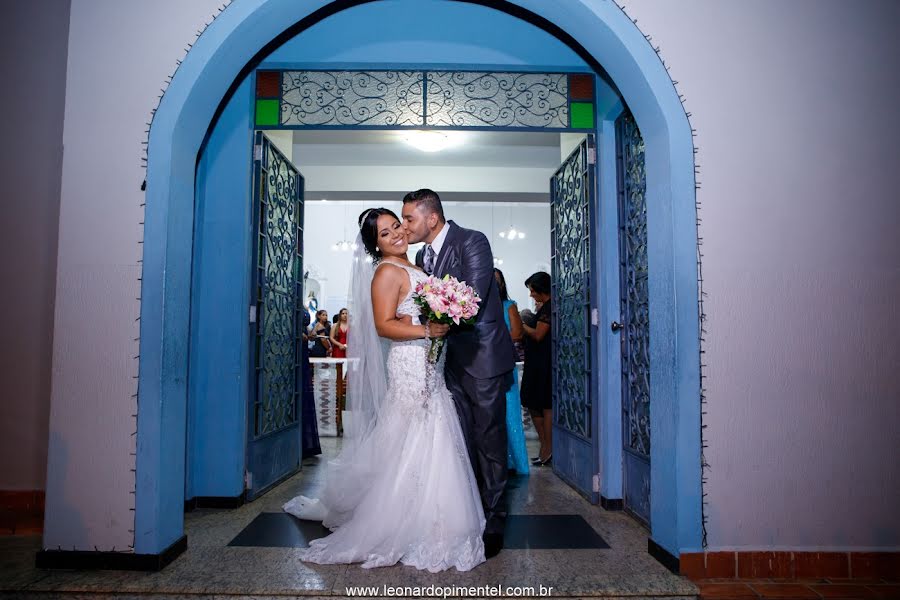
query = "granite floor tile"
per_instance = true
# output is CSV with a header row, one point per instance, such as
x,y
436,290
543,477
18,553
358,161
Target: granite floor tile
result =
x,y
210,568
568,572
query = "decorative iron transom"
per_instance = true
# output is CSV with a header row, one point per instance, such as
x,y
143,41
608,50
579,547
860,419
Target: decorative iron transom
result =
x,y
438,99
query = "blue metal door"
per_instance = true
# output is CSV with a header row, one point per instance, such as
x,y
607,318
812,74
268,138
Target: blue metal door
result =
x,y
635,326
273,447
573,304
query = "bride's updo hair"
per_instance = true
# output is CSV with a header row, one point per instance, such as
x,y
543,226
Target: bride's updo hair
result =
x,y
368,229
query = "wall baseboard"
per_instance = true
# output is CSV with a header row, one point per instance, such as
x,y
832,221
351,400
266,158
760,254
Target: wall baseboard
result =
x,y
215,502
21,512
612,503
787,565
119,561
666,558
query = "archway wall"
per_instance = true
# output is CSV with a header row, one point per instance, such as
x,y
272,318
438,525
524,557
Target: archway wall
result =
x,y
219,367
600,28
90,486
800,235
175,139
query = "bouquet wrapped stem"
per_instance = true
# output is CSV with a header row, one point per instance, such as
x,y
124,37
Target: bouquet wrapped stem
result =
x,y
448,301
435,350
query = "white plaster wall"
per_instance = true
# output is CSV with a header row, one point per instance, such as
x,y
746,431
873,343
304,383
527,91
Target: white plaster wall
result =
x,y
795,105
795,109
33,39
119,56
329,222
522,180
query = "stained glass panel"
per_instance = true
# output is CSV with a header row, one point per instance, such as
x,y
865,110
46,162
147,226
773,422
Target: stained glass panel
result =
x,y
266,112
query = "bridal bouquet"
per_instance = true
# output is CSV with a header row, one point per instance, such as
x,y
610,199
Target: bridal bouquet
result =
x,y
446,300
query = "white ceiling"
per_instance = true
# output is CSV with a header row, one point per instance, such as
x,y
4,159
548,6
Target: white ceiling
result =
x,y
388,148
368,165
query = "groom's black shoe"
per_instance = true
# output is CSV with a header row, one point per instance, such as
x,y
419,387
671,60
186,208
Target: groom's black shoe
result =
x,y
493,544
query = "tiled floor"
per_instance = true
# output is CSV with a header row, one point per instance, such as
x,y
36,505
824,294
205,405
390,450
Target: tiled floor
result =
x,y
606,555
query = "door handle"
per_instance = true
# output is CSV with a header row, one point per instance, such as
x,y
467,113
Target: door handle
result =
x,y
616,326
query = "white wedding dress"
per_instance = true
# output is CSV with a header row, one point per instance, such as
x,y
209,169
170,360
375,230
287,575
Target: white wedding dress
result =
x,y
417,501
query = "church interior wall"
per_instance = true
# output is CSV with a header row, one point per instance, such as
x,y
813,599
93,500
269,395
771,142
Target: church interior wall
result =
x,y
795,118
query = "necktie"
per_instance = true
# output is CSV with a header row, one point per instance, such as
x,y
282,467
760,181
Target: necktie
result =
x,y
429,259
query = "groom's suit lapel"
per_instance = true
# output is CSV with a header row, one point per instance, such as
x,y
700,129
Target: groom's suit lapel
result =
x,y
448,250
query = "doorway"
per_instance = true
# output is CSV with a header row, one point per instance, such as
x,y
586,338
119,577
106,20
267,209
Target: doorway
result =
x,y
511,191
593,31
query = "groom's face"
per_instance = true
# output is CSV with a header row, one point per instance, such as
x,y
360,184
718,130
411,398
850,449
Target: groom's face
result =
x,y
417,223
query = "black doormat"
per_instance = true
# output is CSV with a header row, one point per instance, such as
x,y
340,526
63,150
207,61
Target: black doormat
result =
x,y
536,532
279,530
550,532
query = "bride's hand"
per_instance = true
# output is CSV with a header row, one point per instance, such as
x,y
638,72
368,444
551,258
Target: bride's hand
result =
x,y
437,330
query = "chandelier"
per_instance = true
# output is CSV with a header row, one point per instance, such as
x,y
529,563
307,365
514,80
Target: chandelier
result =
x,y
512,234
344,245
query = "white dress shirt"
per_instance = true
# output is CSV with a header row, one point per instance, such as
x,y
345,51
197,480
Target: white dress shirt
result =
x,y
438,242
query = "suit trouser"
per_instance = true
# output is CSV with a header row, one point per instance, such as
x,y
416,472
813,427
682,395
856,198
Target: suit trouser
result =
x,y
481,407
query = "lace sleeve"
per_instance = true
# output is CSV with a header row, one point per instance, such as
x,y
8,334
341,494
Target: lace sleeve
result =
x,y
543,315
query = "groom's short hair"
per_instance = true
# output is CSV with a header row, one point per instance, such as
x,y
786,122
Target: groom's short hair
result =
x,y
428,199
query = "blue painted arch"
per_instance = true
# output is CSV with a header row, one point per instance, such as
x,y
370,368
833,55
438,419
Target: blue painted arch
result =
x,y
250,30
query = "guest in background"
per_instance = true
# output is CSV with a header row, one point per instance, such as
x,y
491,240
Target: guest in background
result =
x,y
516,452
309,436
537,385
339,333
320,334
526,315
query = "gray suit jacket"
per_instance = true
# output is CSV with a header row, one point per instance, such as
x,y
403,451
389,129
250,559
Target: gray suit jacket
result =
x,y
485,349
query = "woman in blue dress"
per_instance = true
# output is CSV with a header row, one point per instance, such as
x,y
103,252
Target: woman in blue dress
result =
x,y
516,452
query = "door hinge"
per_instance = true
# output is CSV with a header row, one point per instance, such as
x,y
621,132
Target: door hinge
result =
x,y
596,483
248,480
592,156
595,317
253,313
257,152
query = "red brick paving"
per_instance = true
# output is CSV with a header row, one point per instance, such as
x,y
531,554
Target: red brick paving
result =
x,y
760,589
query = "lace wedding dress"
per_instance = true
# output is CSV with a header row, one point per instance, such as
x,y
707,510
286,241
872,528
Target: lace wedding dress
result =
x,y
417,501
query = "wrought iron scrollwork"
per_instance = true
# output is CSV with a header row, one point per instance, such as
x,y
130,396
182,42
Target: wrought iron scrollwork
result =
x,y
352,98
473,99
635,291
280,271
571,292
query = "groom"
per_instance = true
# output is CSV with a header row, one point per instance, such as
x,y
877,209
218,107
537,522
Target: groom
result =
x,y
479,358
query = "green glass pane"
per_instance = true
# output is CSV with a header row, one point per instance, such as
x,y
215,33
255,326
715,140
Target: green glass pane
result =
x,y
582,114
267,112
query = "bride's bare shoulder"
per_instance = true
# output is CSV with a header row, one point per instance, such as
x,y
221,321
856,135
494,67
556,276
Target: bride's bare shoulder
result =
x,y
388,273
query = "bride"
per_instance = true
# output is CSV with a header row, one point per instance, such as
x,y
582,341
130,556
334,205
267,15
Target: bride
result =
x,y
402,488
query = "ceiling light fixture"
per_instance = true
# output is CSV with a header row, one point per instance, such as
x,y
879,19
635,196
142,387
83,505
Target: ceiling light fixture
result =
x,y
431,141
512,234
